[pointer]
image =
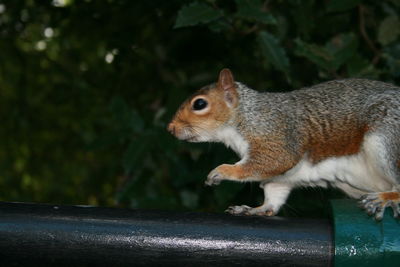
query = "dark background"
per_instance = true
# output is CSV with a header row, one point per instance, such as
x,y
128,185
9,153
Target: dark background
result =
x,y
87,88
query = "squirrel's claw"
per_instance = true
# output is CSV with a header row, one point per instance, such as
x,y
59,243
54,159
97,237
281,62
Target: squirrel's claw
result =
x,y
376,203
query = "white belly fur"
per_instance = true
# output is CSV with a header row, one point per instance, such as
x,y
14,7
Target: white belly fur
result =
x,y
354,174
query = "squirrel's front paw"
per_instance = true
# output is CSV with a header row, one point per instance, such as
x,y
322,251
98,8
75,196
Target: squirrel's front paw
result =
x,y
217,175
213,178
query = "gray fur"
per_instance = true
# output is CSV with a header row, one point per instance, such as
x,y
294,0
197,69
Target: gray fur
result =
x,y
360,100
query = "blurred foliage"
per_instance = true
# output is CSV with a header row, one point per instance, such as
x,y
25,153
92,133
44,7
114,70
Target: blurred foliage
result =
x,y
87,88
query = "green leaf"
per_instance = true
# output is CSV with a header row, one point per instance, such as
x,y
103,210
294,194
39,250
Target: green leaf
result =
x,y
316,54
356,65
136,123
333,55
302,13
396,2
342,47
360,67
273,52
251,10
134,153
196,13
218,25
119,109
124,117
341,5
389,30
392,56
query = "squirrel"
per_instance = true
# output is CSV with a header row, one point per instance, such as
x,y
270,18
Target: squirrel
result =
x,y
343,133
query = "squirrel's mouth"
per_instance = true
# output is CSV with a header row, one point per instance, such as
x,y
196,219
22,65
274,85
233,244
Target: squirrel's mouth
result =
x,y
187,134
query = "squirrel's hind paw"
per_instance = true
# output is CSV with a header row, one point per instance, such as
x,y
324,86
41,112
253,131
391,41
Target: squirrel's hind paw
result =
x,y
376,203
246,210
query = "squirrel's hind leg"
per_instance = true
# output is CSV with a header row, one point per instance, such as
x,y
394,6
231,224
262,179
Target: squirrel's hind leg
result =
x,y
275,195
376,203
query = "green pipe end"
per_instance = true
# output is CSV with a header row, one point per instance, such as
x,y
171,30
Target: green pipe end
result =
x,y
362,241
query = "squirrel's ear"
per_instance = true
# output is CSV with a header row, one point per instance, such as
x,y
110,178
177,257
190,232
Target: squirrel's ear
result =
x,y
227,83
226,80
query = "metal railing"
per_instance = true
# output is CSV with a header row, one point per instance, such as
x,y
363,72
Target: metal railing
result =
x,y
41,235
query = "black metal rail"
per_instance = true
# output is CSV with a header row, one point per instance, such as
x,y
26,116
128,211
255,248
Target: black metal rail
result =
x,y
41,235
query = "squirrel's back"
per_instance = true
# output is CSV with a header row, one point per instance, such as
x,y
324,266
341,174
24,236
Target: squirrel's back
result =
x,y
328,119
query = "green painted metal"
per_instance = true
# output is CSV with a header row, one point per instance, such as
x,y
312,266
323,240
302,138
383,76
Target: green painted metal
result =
x,y
362,241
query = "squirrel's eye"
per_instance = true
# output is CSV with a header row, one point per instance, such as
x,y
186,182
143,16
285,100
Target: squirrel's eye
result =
x,y
199,104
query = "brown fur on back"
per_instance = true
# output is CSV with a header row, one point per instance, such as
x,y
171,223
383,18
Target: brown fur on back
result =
x,y
334,140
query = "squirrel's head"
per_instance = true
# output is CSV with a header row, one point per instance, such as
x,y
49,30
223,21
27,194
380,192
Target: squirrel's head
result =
x,y
212,107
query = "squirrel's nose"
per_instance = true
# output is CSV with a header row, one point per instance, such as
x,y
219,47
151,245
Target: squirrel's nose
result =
x,y
171,128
